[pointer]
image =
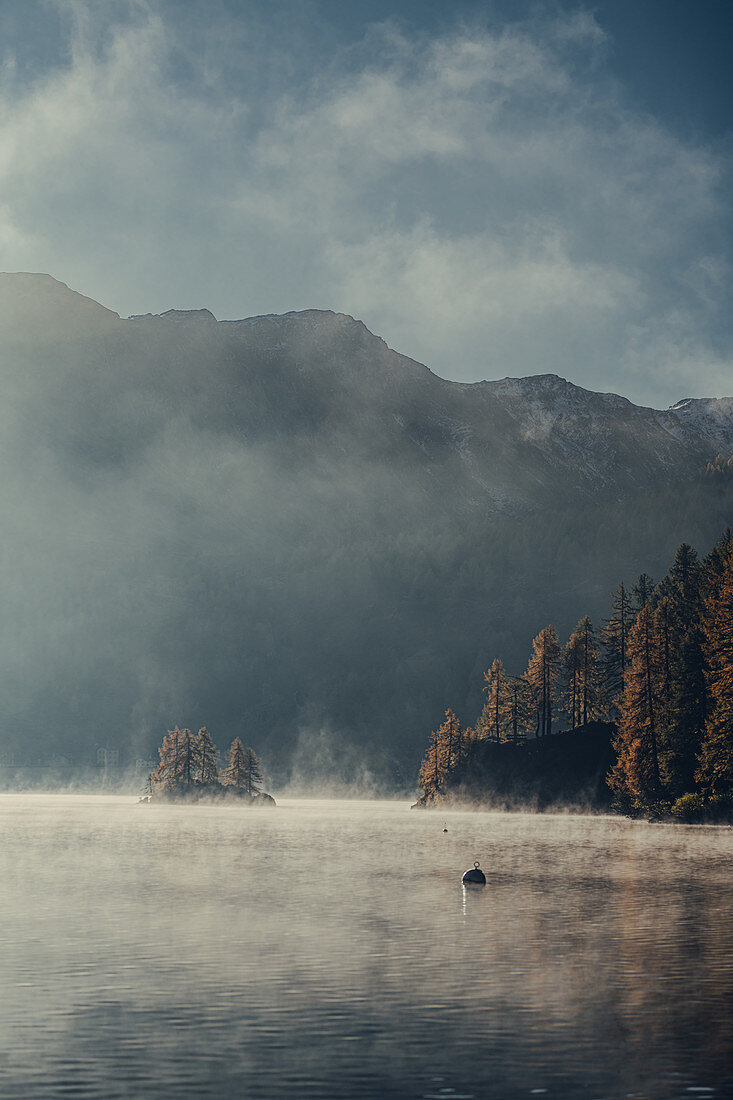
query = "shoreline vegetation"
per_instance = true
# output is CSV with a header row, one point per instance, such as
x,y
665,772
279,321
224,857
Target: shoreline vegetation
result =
x,y
646,703
188,772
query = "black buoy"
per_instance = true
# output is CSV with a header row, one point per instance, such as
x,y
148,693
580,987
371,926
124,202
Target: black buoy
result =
x,y
445,827
474,876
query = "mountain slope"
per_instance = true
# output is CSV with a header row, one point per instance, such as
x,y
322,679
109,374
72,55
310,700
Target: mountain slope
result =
x,y
283,529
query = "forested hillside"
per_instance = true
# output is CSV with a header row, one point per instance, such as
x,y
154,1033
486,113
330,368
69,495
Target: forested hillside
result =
x,y
283,529
654,684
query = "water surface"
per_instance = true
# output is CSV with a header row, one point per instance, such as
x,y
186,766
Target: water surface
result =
x,y
328,949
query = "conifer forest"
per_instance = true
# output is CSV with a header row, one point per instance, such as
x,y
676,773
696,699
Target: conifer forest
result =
x,y
647,696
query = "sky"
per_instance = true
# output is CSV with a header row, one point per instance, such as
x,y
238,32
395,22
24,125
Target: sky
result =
x,y
495,188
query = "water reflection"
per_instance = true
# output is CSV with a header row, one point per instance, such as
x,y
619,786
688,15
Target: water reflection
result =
x,y
330,950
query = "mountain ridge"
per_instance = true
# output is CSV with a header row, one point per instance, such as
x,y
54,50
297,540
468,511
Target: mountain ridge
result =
x,y
281,527
507,386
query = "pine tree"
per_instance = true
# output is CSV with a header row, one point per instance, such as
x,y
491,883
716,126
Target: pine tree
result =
x,y
715,771
636,774
206,754
541,676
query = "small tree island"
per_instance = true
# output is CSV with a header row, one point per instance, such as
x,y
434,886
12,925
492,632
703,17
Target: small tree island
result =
x,y
188,771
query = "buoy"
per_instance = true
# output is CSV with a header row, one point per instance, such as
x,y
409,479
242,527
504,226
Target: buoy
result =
x,y
474,876
445,827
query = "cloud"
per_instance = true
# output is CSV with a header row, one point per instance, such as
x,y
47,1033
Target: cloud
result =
x,y
513,295
487,201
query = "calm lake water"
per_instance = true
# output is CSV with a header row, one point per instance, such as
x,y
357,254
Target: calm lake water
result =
x,y
328,949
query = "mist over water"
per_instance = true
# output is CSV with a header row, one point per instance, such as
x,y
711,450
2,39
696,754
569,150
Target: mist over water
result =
x,y
328,949
283,530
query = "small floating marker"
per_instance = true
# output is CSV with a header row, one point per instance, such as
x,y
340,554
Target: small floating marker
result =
x,y
474,876
445,827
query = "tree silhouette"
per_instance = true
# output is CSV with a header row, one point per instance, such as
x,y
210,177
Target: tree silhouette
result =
x,y
187,757
592,700
495,712
443,753
518,710
243,771
584,698
688,692
615,638
451,736
541,676
233,774
252,774
669,668
169,771
715,565
643,591
206,754
635,774
432,771
715,772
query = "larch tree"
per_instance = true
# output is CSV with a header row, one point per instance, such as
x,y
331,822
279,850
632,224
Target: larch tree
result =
x,y
592,700
432,769
643,591
583,698
450,735
187,757
251,773
715,771
665,624
684,574
615,639
496,709
636,775
541,676
234,773
685,686
518,710
206,755
444,751
715,565
689,711
469,738
570,675
169,771
570,679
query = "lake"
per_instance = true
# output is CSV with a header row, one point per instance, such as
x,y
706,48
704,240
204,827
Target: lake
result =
x,y
329,949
